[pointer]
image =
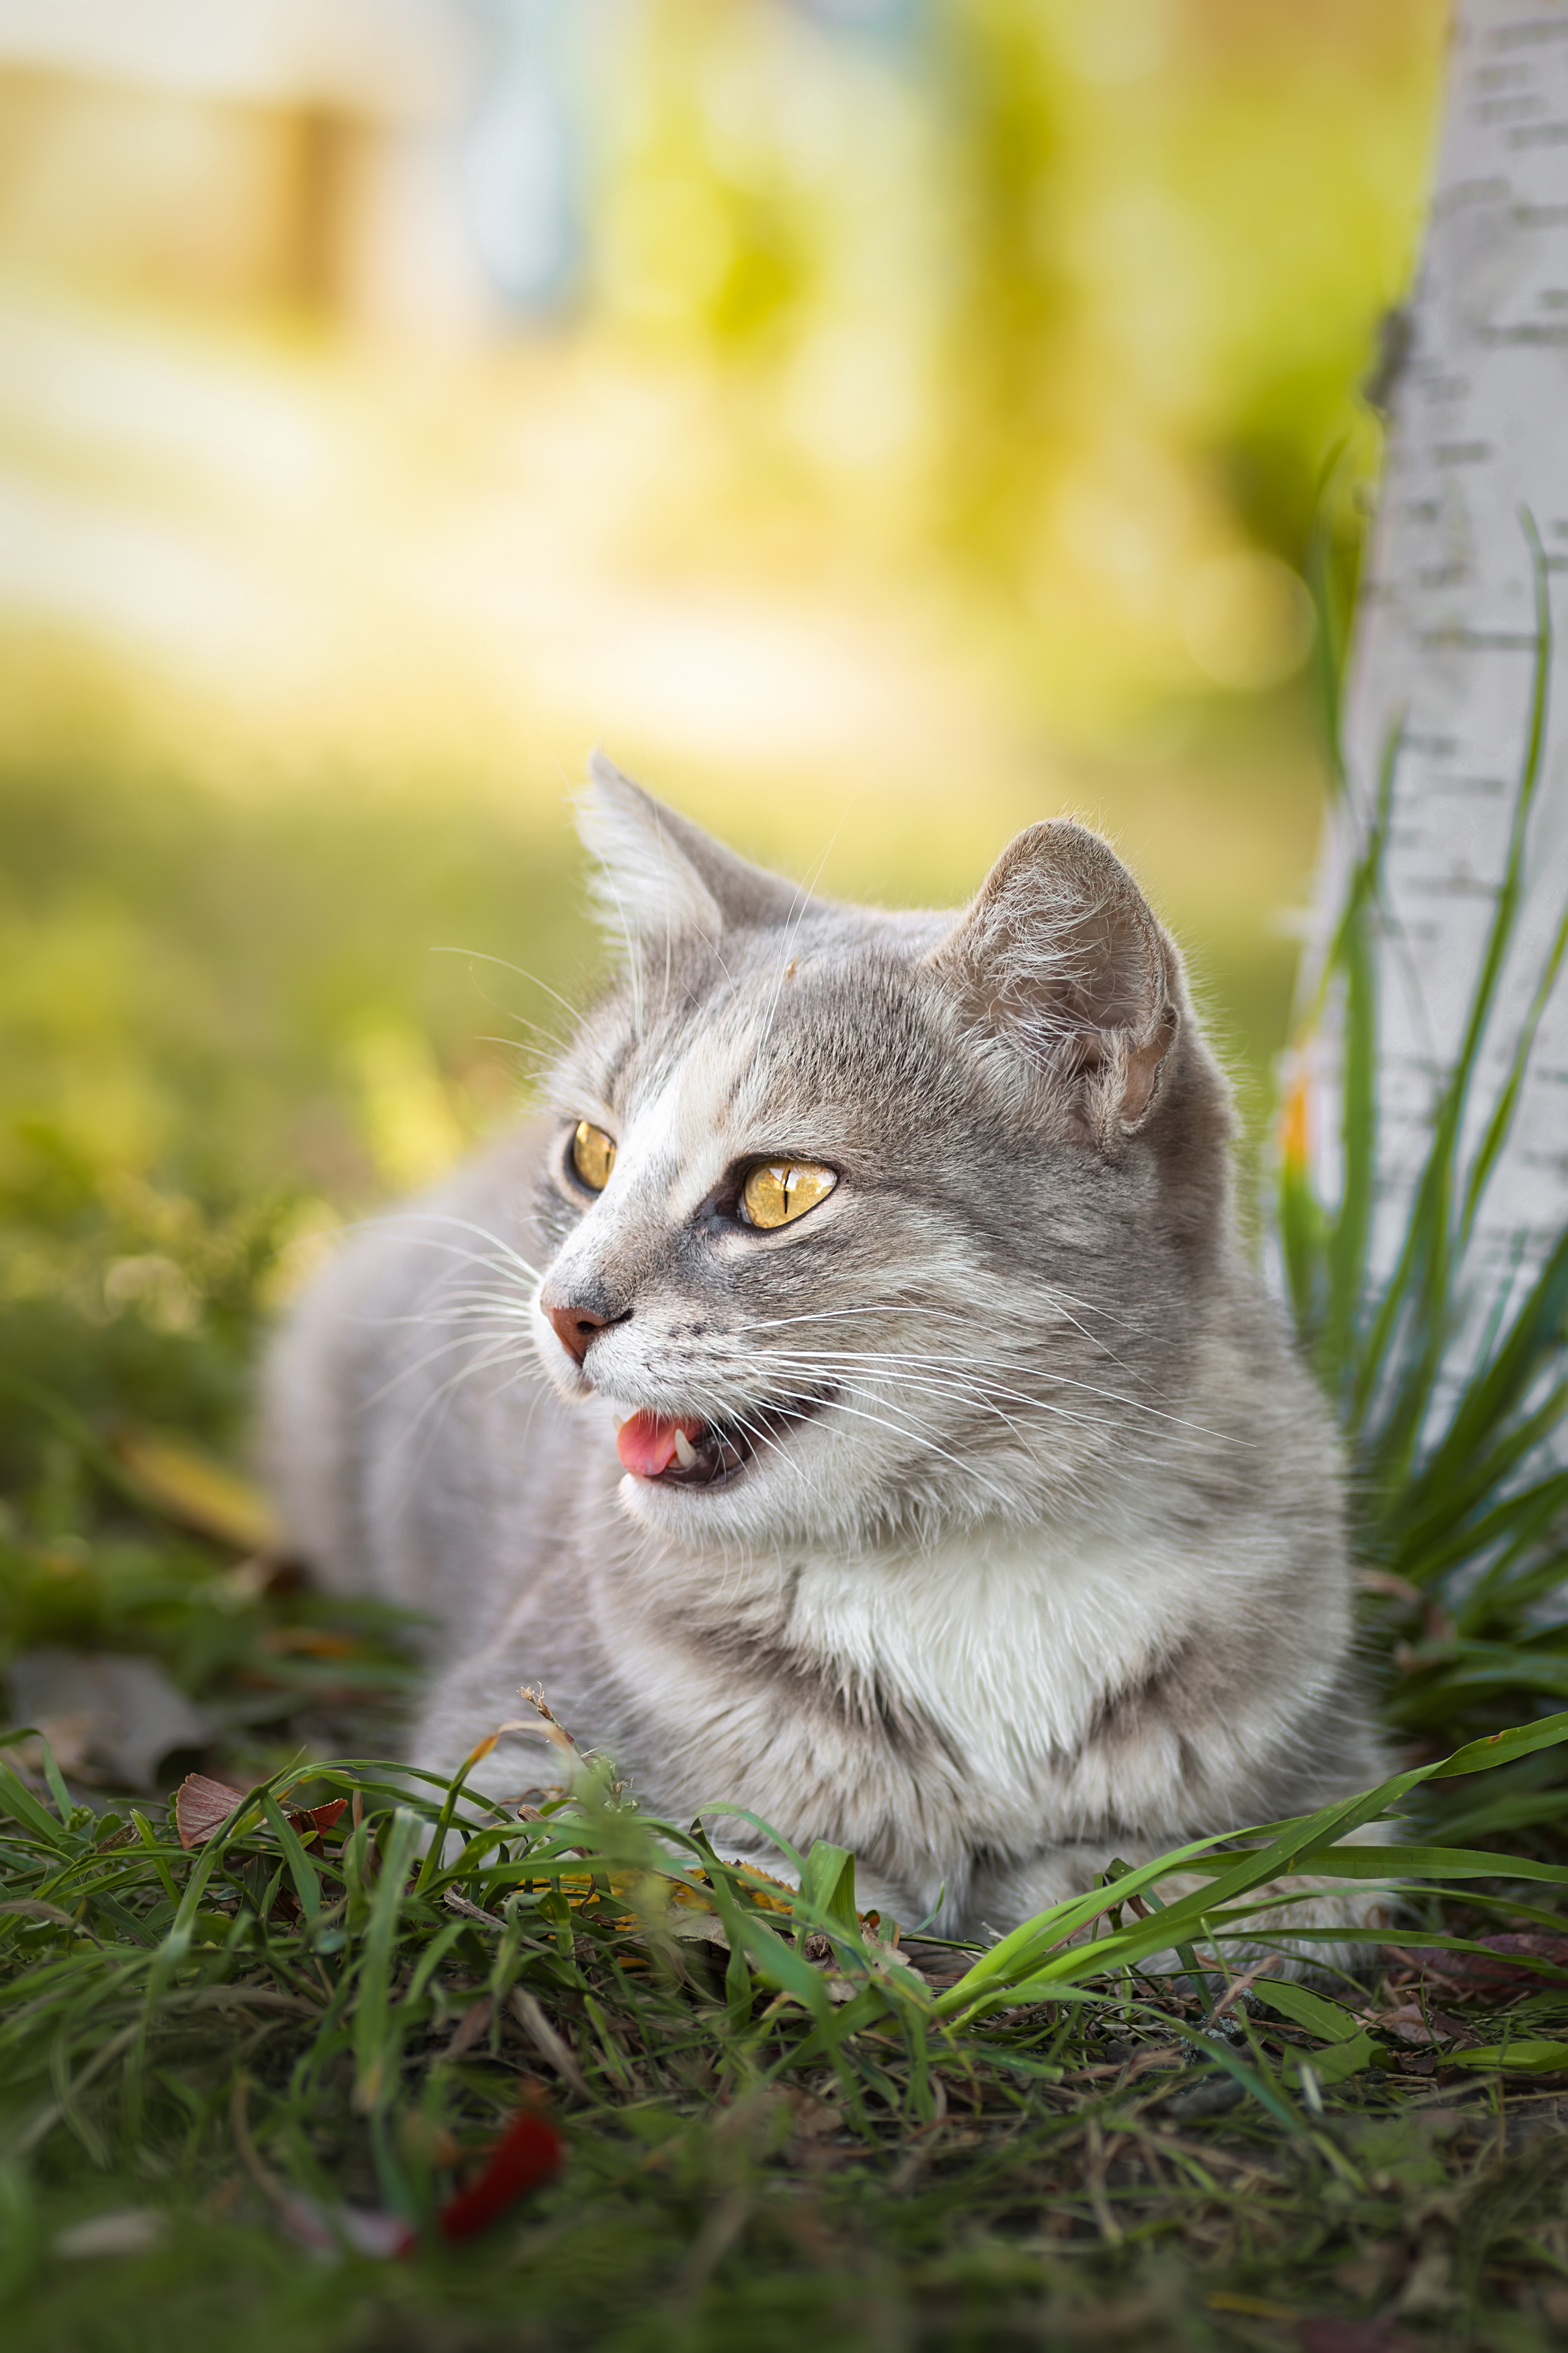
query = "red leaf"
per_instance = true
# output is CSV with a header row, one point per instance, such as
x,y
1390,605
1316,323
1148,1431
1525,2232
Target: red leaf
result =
x,y
1353,2337
1506,1970
203,1806
529,2153
319,1817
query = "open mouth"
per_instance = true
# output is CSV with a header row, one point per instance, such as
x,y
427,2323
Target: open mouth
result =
x,y
681,1451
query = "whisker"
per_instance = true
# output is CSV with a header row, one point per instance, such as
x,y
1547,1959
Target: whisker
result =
x,y
466,1225
899,1360
902,1303
919,1436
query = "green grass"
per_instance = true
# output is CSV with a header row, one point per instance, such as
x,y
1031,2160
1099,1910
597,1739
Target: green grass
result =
x,y
778,2132
1052,2144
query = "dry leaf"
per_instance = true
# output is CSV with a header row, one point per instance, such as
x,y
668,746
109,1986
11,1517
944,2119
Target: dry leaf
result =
x,y
461,1904
128,2231
814,2119
317,1818
118,1717
693,1928
202,1806
1505,1965
308,1642
326,2230
475,2022
550,2045
199,1491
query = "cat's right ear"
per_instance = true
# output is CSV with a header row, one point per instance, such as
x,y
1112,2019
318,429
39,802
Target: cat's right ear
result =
x,y
661,877
1061,960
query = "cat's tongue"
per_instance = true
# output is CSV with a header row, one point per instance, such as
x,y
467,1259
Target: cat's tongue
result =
x,y
646,1444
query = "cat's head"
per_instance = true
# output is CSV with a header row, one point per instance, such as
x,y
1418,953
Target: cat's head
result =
x,y
856,1221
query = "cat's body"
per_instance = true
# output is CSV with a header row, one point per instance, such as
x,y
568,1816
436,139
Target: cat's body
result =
x,y
1008,1538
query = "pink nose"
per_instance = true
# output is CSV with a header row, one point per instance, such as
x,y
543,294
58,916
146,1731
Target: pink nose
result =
x,y
576,1326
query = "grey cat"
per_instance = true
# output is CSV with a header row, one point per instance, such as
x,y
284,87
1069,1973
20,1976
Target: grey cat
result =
x,y
850,1399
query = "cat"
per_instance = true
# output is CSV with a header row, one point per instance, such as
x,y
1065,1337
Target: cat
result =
x,y
850,1398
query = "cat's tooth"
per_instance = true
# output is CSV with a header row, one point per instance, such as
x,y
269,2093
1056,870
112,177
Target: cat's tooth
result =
x,y
685,1452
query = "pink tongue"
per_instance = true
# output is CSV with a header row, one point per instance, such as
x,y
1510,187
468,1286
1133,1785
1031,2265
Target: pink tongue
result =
x,y
646,1444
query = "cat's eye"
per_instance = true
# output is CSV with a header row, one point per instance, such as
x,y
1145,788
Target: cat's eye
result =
x,y
592,1155
779,1191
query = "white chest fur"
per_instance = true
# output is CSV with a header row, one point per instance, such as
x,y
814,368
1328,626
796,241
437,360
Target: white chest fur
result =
x,y
1009,1642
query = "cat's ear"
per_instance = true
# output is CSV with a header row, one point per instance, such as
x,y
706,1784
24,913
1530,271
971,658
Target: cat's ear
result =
x,y
662,878
1060,957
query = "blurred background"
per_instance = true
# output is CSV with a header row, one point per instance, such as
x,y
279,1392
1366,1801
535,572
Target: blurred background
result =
x,y
880,423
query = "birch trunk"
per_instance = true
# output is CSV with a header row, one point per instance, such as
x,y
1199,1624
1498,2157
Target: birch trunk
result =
x,y
1445,654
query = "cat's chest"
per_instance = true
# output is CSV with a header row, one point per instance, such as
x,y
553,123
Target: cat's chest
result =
x,y
1009,1646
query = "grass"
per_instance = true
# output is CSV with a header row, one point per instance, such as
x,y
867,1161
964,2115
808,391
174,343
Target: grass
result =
x,y
241,2044
249,2059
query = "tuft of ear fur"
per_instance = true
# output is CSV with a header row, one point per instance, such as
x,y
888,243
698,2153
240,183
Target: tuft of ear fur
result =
x,y
1061,958
661,877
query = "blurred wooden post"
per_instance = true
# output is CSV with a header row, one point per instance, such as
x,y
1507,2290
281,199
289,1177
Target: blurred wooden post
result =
x,y
1447,641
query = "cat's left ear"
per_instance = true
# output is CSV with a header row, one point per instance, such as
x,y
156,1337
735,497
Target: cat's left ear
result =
x,y
1060,959
661,878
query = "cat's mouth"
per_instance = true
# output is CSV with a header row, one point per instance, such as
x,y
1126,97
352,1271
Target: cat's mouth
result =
x,y
681,1451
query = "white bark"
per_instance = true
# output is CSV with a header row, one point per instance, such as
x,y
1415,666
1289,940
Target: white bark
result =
x,y
1445,644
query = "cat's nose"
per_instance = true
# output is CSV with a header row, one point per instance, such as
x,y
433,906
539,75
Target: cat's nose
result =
x,y
577,1326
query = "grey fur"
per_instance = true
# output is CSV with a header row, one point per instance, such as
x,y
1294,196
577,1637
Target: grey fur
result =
x,y
1052,1565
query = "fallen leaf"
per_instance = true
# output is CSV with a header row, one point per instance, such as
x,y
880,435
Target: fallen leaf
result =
x,y
475,2022
1368,2273
263,1575
199,1491
1428,2293
815,2119
695,1927
1411,2024
1500,1964
550,2045
202,1806
326,2230
528,2154
461,1904
425,2142
309,1641
317,1818
127,2230
122,1715
1353,2337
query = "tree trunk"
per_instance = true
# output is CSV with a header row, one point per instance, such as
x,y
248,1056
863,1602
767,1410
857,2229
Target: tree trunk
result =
x,y
1471,535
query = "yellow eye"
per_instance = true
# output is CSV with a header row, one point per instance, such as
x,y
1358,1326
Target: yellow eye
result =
x,y
593,1155
782,1190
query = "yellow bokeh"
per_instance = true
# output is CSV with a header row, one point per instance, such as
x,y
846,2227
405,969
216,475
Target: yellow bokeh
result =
x,y
880,423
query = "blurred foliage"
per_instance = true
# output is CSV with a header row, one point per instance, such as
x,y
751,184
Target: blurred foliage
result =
x,y
225,1033
1076,296
1045,315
